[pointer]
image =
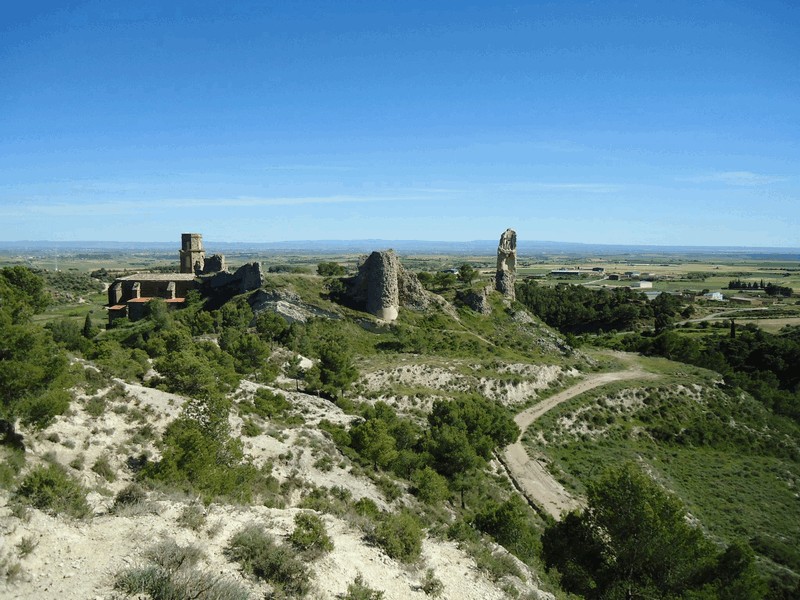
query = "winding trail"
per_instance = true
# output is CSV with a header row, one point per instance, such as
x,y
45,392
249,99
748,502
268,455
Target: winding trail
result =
x,y
529,473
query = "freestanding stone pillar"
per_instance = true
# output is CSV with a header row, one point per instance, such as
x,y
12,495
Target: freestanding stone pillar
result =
x,y
507,264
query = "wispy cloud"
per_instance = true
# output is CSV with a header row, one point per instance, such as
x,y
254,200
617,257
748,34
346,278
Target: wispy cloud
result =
x,y
542,186
736,178
61,208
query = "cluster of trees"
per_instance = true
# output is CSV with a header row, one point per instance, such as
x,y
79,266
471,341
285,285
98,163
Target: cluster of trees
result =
x,y
34,370
330,269
633,540
444,460
764,364
459,437
770,288
198,452
67,284
576,309
443,281
288,269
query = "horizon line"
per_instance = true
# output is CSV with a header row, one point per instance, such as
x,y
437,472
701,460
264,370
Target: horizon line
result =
x,y
403,241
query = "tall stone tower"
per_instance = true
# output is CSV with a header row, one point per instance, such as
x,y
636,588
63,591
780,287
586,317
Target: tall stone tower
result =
x,y
507,264
192,255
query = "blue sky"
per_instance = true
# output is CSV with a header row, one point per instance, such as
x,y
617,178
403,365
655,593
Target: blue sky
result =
x,y
672,123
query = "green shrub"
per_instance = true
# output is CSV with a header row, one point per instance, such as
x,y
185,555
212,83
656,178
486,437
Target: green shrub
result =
x,y
131,495
10,570
26,545
461,531
50,488
334,501
310,536
366,507
170,576
358,590
199,456
268,404
103,468
429,486
258,554
250,428
391,490
193,516
432,585
511,524
11,462
95,406
400,536
324,463
496,565
151,581
170,556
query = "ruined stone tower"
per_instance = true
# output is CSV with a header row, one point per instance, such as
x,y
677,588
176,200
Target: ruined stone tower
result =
x,y
192,255
507,264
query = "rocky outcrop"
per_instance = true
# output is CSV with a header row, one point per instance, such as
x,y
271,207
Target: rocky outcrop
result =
x,y
287,304
382,286
506,274
412,293
376,285
477,300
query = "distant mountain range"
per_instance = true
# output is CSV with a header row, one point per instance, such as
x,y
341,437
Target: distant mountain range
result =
x,y
475,247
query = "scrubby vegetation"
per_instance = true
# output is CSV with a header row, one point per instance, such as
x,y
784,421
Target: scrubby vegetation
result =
x,y
259,555
576,309
50,488
761,363
732,461
170,573
633,541
426,454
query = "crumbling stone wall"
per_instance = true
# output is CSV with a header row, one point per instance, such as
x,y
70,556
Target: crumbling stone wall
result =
x,y
248,277
214,264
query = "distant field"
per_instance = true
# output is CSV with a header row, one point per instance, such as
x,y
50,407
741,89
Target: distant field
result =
x,y
775,325
670,273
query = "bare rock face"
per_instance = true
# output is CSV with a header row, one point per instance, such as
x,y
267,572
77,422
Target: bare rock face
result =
x,y
506,274
478,300
412,293
383,292
382,285
288,304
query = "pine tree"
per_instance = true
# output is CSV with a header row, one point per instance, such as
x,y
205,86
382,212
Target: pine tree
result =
x,y
88,332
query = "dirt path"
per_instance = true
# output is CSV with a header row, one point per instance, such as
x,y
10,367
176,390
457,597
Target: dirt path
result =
x,y
731,312
530,473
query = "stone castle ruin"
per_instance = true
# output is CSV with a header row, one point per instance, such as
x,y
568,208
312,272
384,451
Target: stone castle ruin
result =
x,y
380,287
506,274
193,257
128,295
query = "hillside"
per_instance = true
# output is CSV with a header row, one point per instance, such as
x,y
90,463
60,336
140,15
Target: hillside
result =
x,y
124,411
229,453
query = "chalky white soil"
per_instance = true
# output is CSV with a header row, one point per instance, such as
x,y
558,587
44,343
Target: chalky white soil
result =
x,y
78,559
